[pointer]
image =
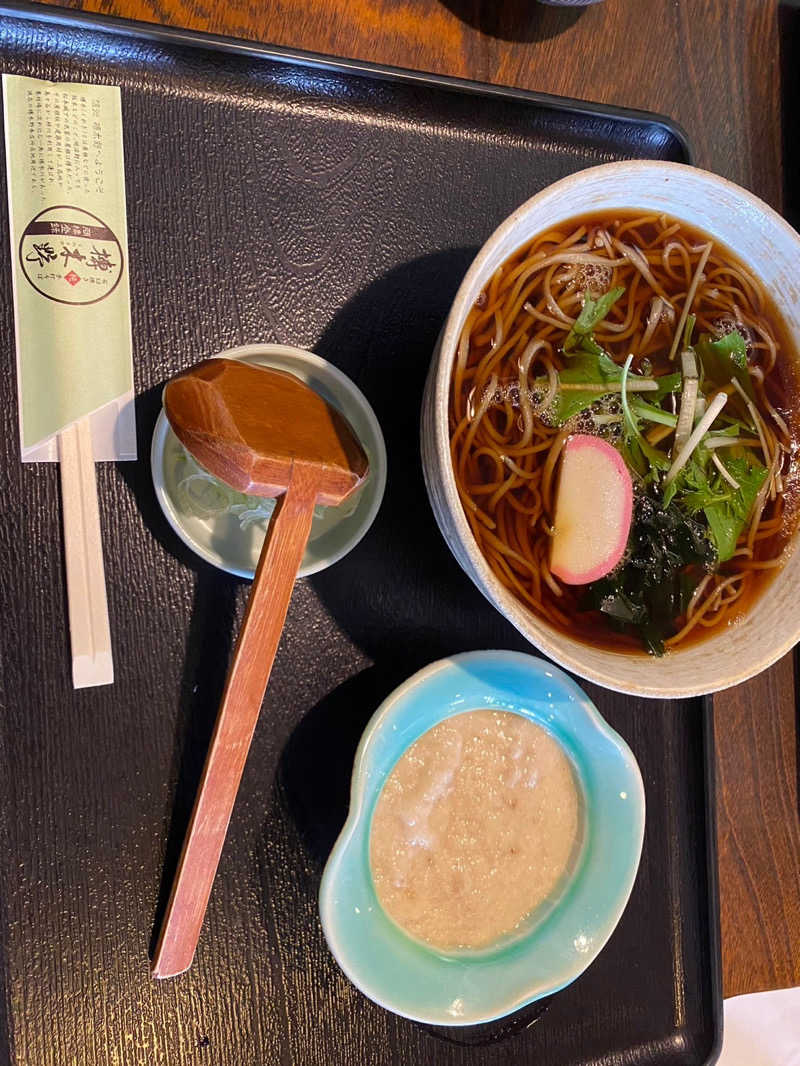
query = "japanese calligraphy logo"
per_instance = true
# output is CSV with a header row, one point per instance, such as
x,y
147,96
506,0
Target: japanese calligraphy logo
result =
x,y
70,256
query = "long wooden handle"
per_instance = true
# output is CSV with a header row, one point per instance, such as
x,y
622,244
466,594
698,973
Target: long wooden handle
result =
x,y
90,635
238,713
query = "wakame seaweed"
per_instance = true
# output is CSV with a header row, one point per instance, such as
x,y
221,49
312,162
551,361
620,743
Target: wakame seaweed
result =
x,y
669,554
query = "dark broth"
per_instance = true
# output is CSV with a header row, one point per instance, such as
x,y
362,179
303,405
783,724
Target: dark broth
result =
x,y
529,308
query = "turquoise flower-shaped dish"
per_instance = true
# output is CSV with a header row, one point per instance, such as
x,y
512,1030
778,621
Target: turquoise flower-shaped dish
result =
x,y
558,942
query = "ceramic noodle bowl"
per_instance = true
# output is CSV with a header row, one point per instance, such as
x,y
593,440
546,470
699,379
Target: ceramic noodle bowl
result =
x,y
768,246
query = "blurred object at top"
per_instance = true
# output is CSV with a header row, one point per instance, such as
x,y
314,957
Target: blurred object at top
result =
x,y
519,20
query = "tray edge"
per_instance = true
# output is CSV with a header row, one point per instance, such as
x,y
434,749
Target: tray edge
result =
x,y
712,875
173,35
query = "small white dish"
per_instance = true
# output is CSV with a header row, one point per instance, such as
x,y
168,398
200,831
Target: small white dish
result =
x,y
220,540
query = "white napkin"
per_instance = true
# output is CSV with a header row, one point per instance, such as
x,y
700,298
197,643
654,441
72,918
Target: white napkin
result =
x,y
762,1029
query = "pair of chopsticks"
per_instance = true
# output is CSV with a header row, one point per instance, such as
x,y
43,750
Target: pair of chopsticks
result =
x,y
90,634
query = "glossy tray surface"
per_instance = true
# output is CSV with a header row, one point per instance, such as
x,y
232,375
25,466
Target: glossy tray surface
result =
x,y
332,206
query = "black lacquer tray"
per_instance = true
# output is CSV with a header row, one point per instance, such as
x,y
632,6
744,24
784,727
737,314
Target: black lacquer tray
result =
x,y
335,206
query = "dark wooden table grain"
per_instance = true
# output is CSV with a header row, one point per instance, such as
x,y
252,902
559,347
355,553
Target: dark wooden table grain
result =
x,y
714,65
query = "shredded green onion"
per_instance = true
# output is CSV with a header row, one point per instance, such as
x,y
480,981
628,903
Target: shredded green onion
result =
x,y
624,397
699,432
652,413
686,412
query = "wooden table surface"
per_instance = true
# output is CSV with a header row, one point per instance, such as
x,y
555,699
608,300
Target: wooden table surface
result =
x,y
714,66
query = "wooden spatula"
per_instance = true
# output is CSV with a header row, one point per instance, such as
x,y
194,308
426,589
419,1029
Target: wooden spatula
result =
x,y
265,433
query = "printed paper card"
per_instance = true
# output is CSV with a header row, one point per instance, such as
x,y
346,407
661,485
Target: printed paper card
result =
x,y
69,251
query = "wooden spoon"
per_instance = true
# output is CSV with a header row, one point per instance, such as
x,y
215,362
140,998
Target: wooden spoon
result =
x,y
265,433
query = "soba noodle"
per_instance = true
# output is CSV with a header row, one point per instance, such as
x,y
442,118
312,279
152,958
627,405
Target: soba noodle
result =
x,y
506,444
